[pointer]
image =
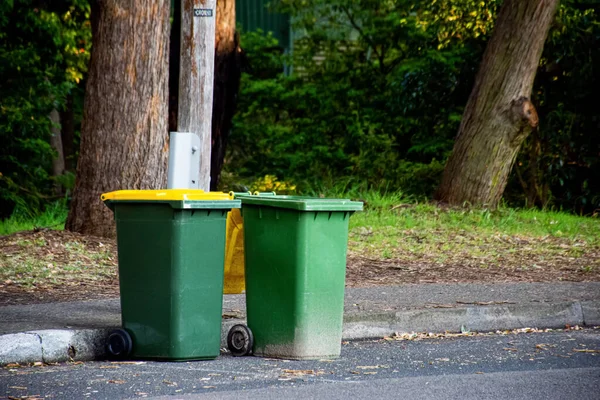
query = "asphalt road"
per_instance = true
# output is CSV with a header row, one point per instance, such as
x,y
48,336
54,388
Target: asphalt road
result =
x,y
551,365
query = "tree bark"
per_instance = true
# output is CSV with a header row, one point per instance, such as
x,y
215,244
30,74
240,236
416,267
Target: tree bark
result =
x,y
124,142
226,85
58,162
498,115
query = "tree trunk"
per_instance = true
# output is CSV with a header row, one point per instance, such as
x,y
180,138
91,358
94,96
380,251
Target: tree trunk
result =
x,y
58,162
226,85
499,115
124,142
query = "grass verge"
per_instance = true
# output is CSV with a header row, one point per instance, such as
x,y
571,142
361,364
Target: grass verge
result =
x,y
394,228
395,240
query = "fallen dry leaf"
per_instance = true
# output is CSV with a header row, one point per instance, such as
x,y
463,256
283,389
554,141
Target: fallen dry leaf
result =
x,y
128,362
231,316
29,397
586,350
299,372
573,328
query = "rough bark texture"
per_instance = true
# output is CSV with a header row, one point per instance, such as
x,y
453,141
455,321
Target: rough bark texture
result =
x,y
58,163
226,85
124,131
174,49
196,77
499,114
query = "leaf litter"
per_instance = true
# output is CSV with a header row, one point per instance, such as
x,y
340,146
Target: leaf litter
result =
x,y
416,336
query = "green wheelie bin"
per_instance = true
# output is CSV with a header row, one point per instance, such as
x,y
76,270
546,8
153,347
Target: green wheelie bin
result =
x,y
295,252
171,246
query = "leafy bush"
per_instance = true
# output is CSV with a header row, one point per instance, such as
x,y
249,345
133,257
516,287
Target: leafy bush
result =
x,y
44,50
378,89
376,93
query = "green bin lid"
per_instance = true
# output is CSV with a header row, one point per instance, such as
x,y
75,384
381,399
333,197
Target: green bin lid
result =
x,y
176,198
301,203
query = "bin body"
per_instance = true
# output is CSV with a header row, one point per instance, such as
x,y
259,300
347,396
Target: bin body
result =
x,y
295,275
171,258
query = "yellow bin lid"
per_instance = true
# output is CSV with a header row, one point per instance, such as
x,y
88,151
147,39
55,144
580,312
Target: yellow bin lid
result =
x,y
165,195
177,198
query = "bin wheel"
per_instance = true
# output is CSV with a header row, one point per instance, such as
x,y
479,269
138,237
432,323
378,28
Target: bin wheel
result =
x,y
119,344
240,340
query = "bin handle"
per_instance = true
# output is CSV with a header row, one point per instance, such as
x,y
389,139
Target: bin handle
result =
x,y
257,193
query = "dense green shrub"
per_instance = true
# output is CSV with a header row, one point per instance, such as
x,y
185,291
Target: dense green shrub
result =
x,y
377,93
44,48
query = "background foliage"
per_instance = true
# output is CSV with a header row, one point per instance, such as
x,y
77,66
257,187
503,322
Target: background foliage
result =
x,y
44,50
374,99
378,89
560,163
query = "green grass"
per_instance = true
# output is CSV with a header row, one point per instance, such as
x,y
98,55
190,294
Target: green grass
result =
x,y
392,212
53,217
394,226
386,210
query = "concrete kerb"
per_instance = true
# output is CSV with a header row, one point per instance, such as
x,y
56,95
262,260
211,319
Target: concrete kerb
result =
x,y
591,313
59,345
53,345
471,318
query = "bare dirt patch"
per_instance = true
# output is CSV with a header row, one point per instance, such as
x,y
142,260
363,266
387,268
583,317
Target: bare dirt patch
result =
x,y
47,265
